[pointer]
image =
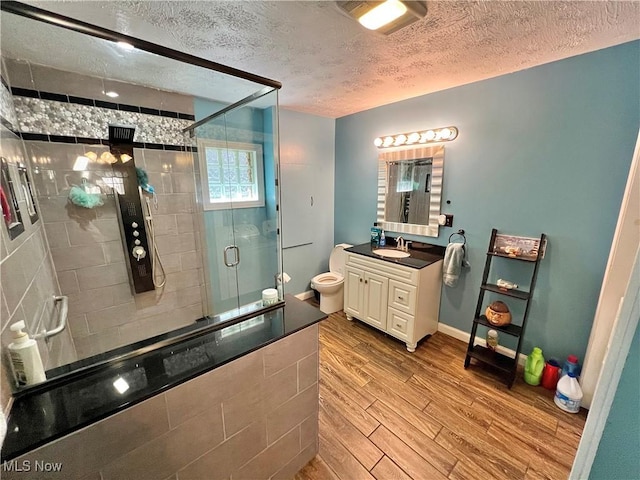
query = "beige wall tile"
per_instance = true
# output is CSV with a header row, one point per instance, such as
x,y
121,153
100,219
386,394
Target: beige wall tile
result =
x,y
97,343
87,451
78,325
73,258
110,317
183,183
19,73
68,282
185,222
102,276
175,203
307,371
189,296
242,409
280,387
182,280
291,413
114,252
164,224
228,457
294,466
98,231
199,394
58,81
271,459
309,431
171,451
190,260
168,162
155,302
57,235
176,243
290,349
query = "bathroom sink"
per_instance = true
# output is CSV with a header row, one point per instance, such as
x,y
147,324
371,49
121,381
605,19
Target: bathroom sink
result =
x,y
391,253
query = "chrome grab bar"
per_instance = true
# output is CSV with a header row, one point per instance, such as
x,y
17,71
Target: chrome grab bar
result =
x,y
62,318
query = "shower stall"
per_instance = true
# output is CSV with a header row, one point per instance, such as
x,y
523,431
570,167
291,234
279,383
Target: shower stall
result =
x,y
198,225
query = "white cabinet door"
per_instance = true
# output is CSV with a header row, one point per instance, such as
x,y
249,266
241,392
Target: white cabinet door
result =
x,y
353,292
376,290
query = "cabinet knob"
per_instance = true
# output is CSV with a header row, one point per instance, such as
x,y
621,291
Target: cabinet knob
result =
x,y
360,280
400,298
366,281
398,325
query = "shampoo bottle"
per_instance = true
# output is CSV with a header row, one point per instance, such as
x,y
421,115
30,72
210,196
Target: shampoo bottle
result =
x,y
25,357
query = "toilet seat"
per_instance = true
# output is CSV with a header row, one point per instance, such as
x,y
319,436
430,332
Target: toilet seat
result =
x,y
327,279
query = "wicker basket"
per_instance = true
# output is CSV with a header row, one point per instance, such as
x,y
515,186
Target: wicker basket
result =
x,y
498,314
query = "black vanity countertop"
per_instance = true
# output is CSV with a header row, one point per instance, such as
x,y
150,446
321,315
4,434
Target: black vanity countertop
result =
x,y
45,414
422,254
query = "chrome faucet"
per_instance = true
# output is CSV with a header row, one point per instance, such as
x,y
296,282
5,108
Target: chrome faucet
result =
x,y
400,244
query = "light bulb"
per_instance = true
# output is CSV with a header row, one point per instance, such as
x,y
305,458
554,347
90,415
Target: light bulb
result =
x,y
445,133
400,140
378,142
413,137
383,14
388,141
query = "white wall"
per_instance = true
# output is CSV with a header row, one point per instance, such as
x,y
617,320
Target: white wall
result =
x,y
307,141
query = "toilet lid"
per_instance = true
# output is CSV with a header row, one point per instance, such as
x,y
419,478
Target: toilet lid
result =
x,y
337,257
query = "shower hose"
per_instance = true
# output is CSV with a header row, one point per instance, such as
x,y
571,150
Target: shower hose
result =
x,y
156,262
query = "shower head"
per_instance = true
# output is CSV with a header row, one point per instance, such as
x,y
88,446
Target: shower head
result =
x,y
119,134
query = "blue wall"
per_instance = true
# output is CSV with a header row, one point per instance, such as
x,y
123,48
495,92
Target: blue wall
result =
x,y
617,456
543,150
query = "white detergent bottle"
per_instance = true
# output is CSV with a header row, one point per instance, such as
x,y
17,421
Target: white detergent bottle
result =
x,y
25,357
568,393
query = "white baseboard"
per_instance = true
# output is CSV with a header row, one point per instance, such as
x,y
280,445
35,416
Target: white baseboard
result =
x,y
464,336
306,295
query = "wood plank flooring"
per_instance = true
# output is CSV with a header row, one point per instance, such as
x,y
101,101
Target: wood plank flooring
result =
x,y
389,414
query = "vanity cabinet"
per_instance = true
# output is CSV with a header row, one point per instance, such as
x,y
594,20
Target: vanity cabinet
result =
x,y
399,300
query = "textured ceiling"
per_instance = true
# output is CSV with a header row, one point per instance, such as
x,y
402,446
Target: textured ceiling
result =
x,y
329,65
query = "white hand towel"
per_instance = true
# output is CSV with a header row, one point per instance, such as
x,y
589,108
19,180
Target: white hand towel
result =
x,y
453,262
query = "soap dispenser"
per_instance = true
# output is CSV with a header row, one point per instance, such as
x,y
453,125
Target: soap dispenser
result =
x,y
25,357
383,240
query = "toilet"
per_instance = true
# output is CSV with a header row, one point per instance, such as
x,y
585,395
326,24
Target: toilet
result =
x,y
329,284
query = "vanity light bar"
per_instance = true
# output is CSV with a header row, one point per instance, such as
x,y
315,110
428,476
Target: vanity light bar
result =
x,y
445,134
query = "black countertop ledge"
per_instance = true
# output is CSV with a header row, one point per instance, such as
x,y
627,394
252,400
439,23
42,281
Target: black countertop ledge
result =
x,y
46,414
422,254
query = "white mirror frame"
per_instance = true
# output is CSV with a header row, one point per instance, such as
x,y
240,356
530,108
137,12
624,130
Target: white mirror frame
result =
x,y
436,153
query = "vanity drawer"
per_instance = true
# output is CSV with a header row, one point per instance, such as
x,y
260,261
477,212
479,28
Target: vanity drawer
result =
x,y
402,296
399,324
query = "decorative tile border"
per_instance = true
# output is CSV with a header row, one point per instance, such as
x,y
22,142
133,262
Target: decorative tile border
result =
x,y
53,117
40,137
8,116
25,92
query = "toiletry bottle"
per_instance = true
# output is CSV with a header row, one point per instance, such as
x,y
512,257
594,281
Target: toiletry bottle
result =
x,y
25,357
571,365
383,240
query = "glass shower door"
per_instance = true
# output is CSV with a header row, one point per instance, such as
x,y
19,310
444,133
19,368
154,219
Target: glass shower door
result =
x,y
237,160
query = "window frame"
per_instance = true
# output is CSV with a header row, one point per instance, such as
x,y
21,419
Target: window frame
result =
x,y
203,144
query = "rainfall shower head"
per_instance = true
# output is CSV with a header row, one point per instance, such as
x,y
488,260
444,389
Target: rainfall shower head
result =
x,y
119,134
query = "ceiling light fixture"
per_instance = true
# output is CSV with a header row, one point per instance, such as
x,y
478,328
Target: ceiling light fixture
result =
x,y
435,135
111,94
384,17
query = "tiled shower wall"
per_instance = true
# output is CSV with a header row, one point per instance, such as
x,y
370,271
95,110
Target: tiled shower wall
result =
x,y
27,278
85,244
89,255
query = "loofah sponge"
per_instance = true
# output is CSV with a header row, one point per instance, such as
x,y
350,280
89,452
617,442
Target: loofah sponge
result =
x,y
79,197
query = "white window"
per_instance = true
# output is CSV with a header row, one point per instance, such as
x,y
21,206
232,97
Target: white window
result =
x,y
232,176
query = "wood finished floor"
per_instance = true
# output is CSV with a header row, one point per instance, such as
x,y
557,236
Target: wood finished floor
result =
x,y
387,414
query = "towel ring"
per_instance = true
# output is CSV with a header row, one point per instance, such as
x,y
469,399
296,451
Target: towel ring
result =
x,y
461,233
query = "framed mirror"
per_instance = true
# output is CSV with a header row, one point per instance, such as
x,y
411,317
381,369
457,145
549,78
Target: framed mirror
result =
x,y
410,190
9,201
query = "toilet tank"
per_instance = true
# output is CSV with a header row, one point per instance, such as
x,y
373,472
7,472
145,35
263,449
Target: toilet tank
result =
x,y
337,258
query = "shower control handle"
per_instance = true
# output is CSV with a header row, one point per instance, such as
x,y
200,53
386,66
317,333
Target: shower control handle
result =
x,y
138,252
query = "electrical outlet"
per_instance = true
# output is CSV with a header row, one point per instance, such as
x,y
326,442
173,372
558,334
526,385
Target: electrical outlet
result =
x,y
448,220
